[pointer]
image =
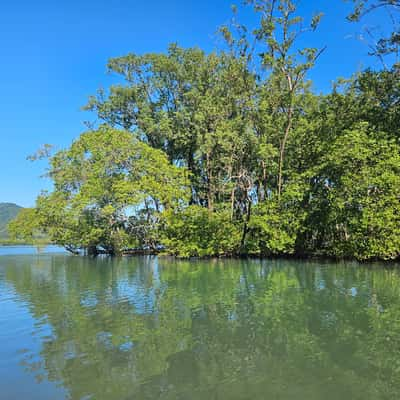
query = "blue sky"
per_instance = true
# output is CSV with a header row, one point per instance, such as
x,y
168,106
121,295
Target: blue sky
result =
x,y
53,56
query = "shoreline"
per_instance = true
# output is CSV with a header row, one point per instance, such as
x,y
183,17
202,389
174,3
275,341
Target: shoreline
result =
x,y
163,254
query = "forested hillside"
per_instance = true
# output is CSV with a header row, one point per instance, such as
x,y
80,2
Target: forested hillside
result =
x,y
8,211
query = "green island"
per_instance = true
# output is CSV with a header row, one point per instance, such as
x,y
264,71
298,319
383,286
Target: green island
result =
x,y
227,224
232,153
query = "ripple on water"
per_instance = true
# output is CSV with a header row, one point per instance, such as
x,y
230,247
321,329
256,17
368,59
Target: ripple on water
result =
x,y
148,328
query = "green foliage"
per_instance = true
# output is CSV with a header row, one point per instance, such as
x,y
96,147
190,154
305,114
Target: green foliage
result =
x,y
8,211
191,105
275,225
357,205
105,177
232,153
287,64
198,232
25,226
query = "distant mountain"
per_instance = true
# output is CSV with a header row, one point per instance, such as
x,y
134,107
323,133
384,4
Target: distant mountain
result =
x,y
8,211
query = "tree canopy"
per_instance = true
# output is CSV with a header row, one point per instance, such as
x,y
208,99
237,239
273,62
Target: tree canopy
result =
x,y
232,153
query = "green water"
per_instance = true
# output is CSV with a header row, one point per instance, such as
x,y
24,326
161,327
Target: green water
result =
x,y
154,328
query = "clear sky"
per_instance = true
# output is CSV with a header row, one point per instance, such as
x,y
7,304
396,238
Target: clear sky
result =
x,y
53,56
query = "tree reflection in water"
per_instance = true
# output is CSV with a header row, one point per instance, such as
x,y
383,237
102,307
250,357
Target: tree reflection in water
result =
x,y
155,328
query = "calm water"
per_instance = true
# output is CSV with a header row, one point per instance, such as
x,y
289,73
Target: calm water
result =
x,y
148,328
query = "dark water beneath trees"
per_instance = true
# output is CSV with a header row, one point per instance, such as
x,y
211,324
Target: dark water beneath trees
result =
x,y
153,328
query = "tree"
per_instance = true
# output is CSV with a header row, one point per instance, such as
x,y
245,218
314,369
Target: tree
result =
x,y
25,226
100,183
385,45
353,203
231,153
279,30
189,104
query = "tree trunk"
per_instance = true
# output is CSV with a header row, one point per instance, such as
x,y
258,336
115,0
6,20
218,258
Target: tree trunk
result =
x,y
232,202
210,194
282,150
92,251
245,226
191,168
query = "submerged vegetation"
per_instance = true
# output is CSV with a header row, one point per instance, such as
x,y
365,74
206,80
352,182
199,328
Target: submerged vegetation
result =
x,y
232,153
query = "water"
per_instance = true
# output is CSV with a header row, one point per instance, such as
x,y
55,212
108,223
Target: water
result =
x,y
27,249
154,328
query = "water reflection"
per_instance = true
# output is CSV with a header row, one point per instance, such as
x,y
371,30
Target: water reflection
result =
x,y
149,328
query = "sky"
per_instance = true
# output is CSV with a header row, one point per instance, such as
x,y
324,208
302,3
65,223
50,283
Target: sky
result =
x,y
54,55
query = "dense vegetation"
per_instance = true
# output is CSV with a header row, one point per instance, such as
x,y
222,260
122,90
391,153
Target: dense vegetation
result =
x,y
232,153
23,230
